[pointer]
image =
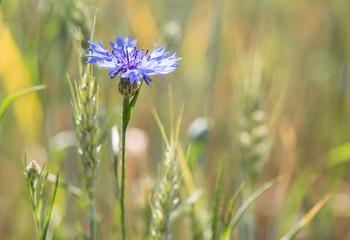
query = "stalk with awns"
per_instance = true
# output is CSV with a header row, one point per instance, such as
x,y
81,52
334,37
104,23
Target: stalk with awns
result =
x,y
85,112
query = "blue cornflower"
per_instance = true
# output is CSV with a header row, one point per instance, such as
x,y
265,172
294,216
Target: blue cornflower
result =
x,y
130,63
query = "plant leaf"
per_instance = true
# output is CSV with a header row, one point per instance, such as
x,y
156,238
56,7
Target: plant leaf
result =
x,y
306,219
48,216
160,126
246,205
9,100
76,192
217,200
232,204
338,155
80,231
131,106
41,199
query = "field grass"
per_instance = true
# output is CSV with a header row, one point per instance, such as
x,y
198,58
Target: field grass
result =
x,y
248,139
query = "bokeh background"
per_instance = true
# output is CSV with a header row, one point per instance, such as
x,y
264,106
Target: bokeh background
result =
x,y
288,61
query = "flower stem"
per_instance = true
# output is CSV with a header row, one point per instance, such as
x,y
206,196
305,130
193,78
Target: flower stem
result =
x,y
125,121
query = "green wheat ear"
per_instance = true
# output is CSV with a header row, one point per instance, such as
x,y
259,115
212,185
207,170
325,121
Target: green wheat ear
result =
x,y
85,113
254,128
254,118
165,198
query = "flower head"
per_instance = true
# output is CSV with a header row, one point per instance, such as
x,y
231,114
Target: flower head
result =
x,y
130,63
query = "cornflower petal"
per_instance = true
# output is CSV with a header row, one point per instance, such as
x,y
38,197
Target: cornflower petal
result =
x,y
119,41
128,62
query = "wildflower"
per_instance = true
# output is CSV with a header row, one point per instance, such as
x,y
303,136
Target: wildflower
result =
x,y
130,63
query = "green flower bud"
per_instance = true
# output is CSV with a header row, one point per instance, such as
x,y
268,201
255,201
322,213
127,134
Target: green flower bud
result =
x,y
126,89
33,170
32,173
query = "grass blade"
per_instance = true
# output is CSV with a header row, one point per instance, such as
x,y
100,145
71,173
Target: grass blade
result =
x,y
77,193
217,200
81,232
160,126
338,155
48,216
9,100
232,204
41,200
306,219
246,205
178,124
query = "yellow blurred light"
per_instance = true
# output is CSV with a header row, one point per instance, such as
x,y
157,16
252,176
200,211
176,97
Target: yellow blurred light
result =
x,y
142,21
15,77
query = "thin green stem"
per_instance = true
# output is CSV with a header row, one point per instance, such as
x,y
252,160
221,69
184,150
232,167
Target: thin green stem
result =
x,y
90,187
125,121
31,192
92,214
